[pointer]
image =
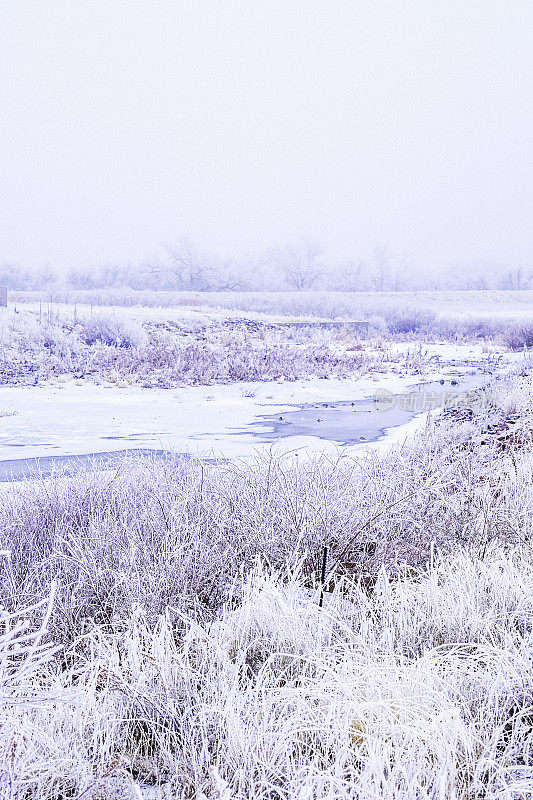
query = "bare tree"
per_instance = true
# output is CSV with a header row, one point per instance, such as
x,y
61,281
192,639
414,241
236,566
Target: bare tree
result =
x,y
227,279
189,266
14,277
194,270
381,268
401,276
478,282
515,279
82,279
110,275
302,264
351,277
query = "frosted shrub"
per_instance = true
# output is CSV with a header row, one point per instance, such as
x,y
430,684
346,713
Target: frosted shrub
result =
x,y
111,331
520,336
409,319
155,356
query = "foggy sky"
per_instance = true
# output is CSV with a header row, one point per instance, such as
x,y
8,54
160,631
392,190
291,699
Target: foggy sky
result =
x,y
404,124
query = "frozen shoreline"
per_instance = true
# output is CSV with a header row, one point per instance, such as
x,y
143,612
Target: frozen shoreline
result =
x,y
222,421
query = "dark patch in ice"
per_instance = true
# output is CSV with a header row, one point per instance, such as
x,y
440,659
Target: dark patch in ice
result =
x,y
366,420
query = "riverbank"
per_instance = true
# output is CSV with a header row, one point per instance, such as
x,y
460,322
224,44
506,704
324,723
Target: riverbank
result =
x,y
70,418
185,606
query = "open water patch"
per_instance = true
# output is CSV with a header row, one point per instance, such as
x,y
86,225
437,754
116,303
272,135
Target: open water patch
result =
x,y
367,420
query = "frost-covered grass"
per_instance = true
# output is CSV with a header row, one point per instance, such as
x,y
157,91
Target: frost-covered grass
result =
x,y
121,349
422,689
323,304
502,316
194,655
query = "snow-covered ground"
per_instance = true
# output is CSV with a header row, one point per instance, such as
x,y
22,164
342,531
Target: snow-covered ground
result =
x,y
150,305
79,417
215,420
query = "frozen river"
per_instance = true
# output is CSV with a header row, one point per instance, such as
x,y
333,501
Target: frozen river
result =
x,y
46,428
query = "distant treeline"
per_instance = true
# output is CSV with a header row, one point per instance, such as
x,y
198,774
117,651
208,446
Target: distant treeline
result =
x,y
301,267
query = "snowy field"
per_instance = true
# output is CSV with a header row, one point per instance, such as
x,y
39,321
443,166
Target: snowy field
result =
x,y
325,305
282,616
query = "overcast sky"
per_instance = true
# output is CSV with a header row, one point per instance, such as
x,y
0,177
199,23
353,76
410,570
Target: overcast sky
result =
x,y
406,124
